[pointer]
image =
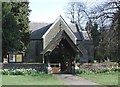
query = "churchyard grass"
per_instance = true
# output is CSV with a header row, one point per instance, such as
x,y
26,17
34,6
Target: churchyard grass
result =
x,y
102,78
43,79
106,73
28,77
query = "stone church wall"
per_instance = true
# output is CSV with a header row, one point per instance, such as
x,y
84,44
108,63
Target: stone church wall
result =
x,y
34,50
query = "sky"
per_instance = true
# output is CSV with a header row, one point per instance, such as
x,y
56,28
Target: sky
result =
x,y
48,10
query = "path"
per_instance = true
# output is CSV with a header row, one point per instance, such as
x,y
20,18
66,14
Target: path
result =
x,y
70,79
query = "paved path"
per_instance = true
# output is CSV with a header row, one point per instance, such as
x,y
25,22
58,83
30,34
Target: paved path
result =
x,y
70,79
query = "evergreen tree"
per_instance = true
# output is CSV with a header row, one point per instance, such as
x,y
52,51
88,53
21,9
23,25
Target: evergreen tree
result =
x,y
15,30
91,28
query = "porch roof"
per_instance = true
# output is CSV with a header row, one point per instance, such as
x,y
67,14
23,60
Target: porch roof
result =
x,y
56,40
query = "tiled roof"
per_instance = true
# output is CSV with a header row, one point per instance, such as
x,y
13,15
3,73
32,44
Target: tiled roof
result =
x,y
38,30
38,33
81,34
36,25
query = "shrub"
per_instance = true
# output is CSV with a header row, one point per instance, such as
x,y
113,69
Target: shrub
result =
x,y
109,70
21,72
116,69
103,70
84,71
5,72
16,72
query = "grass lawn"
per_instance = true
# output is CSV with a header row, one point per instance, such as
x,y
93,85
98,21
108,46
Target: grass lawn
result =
x,y
103,79
30,80
0,80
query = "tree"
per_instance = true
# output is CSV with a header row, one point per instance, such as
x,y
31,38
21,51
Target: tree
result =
x,y
15,30
104,12
92,29
76,12
115,41
109,28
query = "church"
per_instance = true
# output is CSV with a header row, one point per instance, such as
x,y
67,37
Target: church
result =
x,y
59,42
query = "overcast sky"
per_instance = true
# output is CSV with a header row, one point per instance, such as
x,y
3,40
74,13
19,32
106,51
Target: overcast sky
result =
x,y
49,10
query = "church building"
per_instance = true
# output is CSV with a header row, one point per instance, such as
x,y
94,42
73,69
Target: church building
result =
x,y
60,42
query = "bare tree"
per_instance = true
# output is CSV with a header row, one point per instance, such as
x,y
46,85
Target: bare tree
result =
x,y
71,11
76,12
104,13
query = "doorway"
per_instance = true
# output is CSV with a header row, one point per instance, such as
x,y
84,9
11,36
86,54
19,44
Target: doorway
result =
x,y
61,57
61,50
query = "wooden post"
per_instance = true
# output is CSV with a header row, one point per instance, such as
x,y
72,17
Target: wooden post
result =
x,y
43,59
